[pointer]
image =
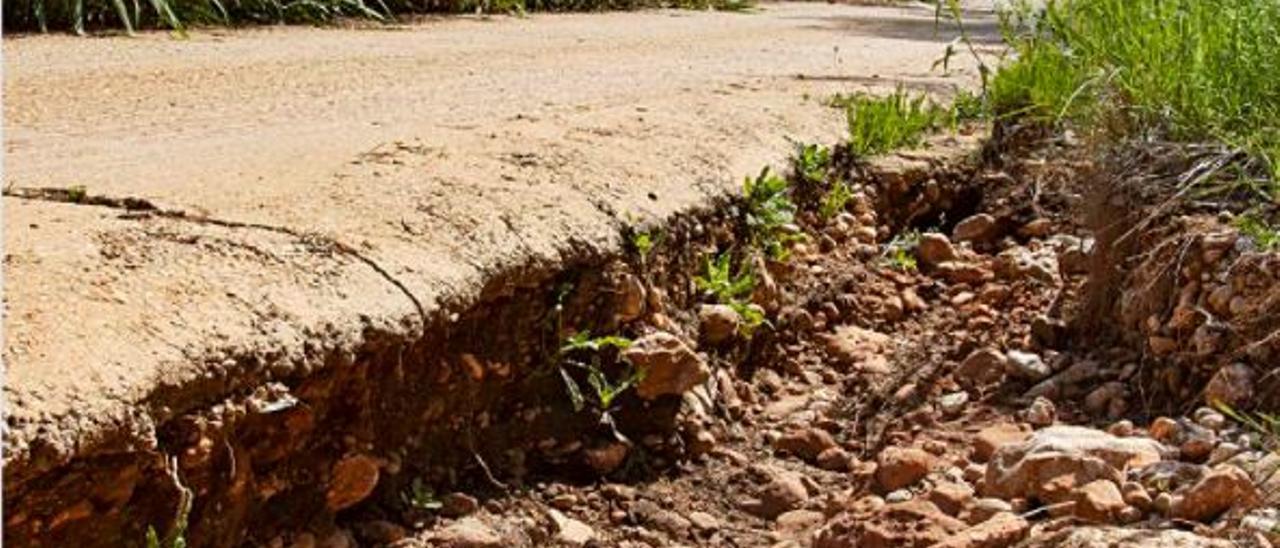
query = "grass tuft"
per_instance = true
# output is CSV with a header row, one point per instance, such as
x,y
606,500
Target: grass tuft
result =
x,y
879,124
1182,70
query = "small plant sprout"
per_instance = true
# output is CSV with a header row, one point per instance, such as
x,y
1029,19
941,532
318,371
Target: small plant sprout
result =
x,y
834,200
644,241
1265,425
176,538
605,390
899,253
811,162
1264,235
770,214
420,497
719,280
77,194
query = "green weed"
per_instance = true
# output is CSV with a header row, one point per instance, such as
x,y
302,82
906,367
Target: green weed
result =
x,y
1264,424
834,200
1184,70
811,162
1265,235
77,194
643,242
604,389
879,124
899,253
770,214
419,496
176,538
719,280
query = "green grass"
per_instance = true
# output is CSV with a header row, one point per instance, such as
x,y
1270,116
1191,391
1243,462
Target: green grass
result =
x,y
770,214
81,16
1183,70
882,123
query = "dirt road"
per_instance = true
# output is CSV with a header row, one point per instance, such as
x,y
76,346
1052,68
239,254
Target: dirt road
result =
x,y
339,184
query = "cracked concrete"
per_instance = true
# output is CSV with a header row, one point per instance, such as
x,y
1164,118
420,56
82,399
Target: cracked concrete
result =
x,y
296,191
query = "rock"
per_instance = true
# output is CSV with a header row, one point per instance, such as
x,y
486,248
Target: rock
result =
x,y
1223,488
806,443
606,458
980,227
1041,412
1232,385
991,438
796,523
900,467
353,479
1165,430
934,249
661,519
950,497
381,531
467,532
1100,400
670,367
570,531
1036,228
718,322
1018,263
899,495
907,524
834,459
952,404
784,492
1210,418
982,367
1197,443
1223,452
1102,537
631,298
892,308
963,272
1026,365
704,521
456,505
980,510
1005,529
1162,346
1049,332
912,302
858,349
1136,495
1098,501
1056,460
1122,428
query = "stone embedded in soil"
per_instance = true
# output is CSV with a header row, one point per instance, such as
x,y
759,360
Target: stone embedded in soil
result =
x,y
935,248
964,272
982,367
1041,412
569,531
982,509
1004,529
990,439
796,523
456,505
631,298
784,492
353,479
914,523
900,467
1027,365
950,497
606,458
980,227
1103,399
1056,460
1232,385
806,443
1019,263
1098,501
467,532
1096,537
858,349
1223,488
718,322
671,367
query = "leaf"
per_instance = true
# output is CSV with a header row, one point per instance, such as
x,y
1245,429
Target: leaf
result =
x,y
575,393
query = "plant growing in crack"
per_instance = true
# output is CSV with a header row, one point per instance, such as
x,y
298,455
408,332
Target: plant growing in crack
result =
x,y
811,162
899,253
719,281
420,496
584,352
834,200
770,214
176,538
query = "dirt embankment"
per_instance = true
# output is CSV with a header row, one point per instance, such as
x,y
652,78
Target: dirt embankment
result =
x,y
238,216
